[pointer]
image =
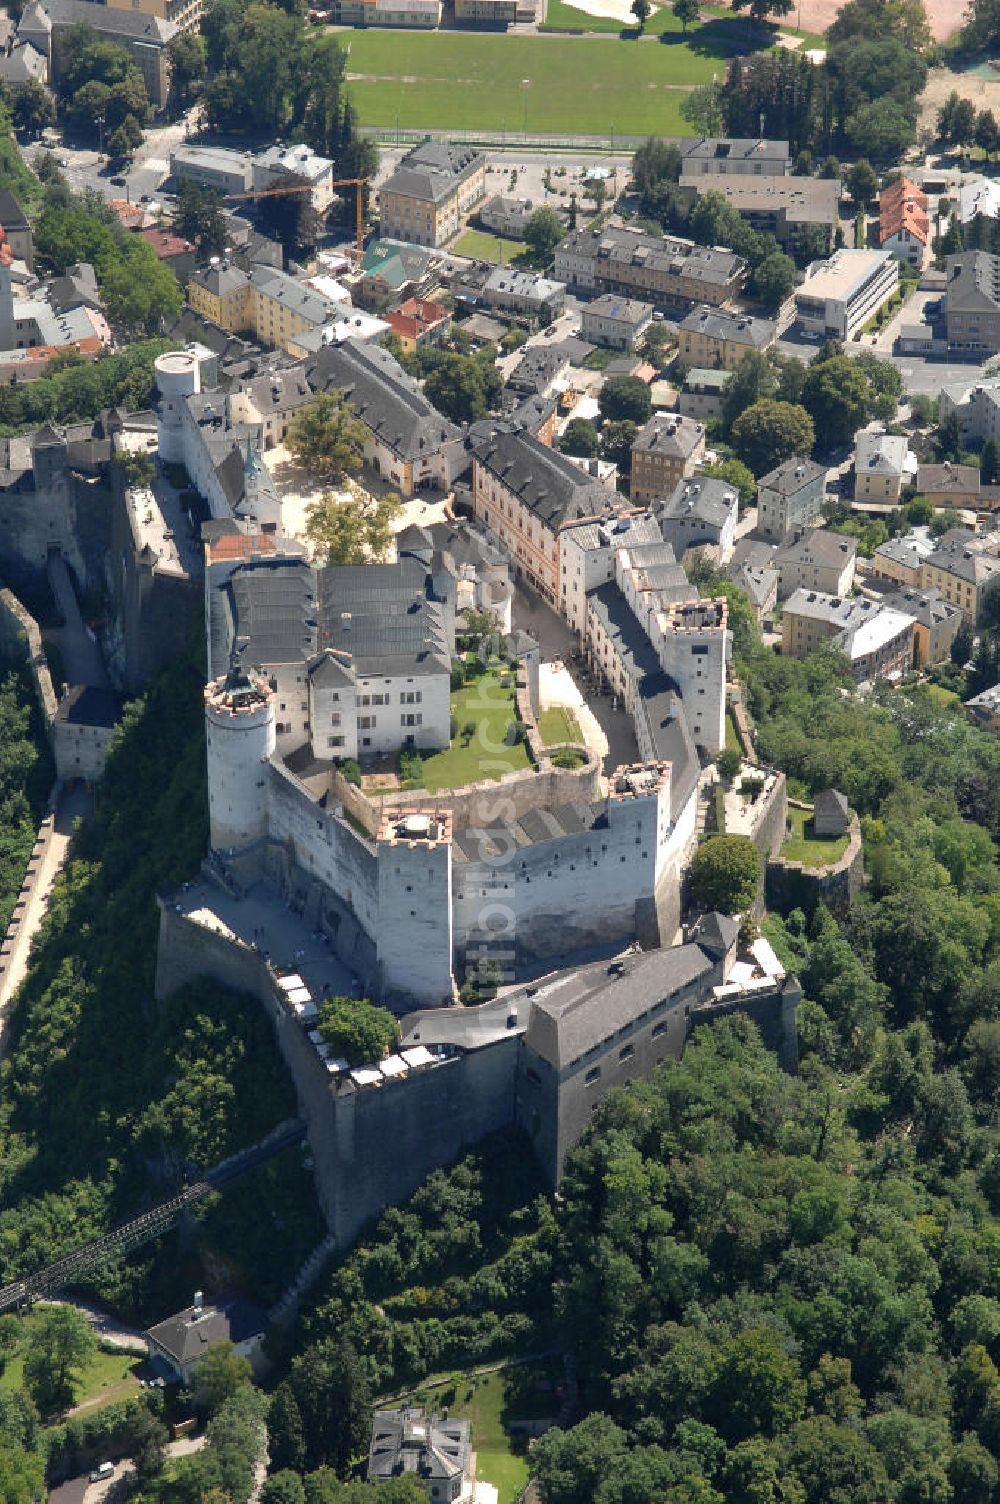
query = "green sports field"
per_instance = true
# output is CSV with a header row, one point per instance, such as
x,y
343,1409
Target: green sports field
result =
x,y
577,85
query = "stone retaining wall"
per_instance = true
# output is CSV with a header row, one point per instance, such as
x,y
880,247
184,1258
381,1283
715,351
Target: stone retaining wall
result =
x,y
793,885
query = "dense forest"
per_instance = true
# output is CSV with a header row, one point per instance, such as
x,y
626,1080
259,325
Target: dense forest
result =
x,y
26,773
108,1101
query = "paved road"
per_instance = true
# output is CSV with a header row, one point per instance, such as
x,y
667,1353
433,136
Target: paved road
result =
x,y
74,805
81,656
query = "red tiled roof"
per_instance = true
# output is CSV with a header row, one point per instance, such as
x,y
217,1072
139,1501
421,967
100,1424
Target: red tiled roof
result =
x,y
903,206
165,243
239,546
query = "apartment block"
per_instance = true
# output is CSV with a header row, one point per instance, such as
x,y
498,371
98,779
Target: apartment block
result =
x,y
664,453
716,337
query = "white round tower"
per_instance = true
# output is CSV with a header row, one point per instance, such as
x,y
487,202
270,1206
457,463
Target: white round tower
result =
x,y
240,729
178,376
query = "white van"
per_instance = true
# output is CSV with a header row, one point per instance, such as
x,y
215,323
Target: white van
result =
x,y
106,1470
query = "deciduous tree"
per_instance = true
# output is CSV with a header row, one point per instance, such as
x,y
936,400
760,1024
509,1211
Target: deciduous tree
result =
x,y
326,438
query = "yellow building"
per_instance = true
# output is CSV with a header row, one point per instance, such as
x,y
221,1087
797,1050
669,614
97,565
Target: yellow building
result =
x,y
268,304
879,467
429,197
964,574
221,294
715,338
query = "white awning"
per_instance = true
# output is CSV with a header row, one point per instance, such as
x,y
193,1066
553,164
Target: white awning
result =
x,y
392,1065
292,983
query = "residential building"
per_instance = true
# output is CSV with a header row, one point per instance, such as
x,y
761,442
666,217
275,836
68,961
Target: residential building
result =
x,y
949,485
435,1450
841,294
429,197
877,640
390,268
145,37
179,1343
217,167
540,371
734,157
752,569
716,337
616,323
409,443
900,560
16,229
904,224
180,255
185,14
790,497
589,551
701,395
972,302
963,571
523,292
879,467
23,63
221,294
976,402
664,453
659,269
39,323
701,510
797,211
526,493
281,308
418,322
816,559
506,216
936,622
978,198
278,165
985,708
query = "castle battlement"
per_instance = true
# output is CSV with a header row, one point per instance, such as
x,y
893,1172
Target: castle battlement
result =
x,y
415,828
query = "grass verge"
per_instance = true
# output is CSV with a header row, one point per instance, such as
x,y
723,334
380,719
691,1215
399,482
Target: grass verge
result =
x,y
809,849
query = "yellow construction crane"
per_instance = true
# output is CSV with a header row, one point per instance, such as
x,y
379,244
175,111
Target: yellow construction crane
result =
x,y
359,204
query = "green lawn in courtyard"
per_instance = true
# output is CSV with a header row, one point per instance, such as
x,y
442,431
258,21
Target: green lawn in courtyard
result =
x,y
812,851
577,85
497,1463
486,705
483,247
559,724
733,743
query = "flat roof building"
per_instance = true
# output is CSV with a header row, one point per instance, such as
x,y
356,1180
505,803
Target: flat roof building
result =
x,y
838,296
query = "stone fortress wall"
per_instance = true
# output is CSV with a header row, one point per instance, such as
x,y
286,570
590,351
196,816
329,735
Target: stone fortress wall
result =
x,y
373,1145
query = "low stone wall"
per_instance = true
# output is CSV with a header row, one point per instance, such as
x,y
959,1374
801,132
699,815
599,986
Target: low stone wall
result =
x,y
506,798
20,633
792,885
740,721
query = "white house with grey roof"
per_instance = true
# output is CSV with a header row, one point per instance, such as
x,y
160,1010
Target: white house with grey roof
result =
x,y
702,510
522,292
790,497
431,1448
816,559
616,323
879,467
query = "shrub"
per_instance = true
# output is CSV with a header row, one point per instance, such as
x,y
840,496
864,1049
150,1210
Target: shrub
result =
x,y
352,773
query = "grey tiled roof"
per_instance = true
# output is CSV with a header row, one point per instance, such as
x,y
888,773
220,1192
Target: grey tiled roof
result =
x,y
578,1010
383,397
408,1441
547,483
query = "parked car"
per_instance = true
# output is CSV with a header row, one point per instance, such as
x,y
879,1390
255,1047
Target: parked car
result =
x,y
105,1470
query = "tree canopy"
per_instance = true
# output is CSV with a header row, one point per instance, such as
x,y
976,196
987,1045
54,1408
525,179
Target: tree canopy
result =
x,y
725,872
358,1030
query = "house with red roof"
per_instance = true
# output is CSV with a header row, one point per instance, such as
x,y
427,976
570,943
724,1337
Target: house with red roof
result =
x,y
418,322
904,225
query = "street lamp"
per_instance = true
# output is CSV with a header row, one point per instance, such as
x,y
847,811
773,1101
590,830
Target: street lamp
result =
x,y
99,122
